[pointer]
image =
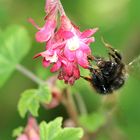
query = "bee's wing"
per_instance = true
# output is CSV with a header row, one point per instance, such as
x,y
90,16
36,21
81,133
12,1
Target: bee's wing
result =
x,y
134,66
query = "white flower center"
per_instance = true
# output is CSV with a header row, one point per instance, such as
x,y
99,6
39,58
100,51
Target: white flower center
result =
x,y
52,59
73,43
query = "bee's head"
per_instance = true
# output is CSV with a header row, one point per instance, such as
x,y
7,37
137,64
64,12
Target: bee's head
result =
x,y
101,63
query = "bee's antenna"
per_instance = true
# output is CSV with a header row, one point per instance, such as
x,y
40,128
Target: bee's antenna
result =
x,y
136,60
106,44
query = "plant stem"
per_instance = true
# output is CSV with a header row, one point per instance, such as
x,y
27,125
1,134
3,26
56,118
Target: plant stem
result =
x,y
61,8
81,104
29,74
69,104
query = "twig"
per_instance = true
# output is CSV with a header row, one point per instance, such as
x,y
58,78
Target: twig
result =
x,y
69,104
29,74
81,104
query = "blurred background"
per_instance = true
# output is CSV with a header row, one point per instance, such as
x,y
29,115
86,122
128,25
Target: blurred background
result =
x,y
119,23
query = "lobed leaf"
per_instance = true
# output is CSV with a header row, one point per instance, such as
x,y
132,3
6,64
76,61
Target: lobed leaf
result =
x,y
53,131
44,94
30,100
70,134
50,130
17,132
14,45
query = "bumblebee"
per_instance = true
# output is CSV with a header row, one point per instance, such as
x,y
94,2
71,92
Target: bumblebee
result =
x,y
109,74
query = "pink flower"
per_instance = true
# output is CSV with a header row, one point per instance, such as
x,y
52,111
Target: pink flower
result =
x,y
76,43
66,48
69,71
44,33
22,137
50,56
31,131
47,31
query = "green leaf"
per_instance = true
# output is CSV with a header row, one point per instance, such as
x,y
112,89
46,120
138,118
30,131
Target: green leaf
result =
x,y
44,94
50,130
53,131
34,106
14,45
28,102
17,132
31,99
70,134
43,130
92,122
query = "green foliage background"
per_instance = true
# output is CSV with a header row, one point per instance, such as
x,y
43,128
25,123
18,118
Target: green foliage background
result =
x,y
119,24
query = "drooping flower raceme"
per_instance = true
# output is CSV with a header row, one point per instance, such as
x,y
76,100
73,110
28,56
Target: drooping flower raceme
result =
x,y
31,131
67,47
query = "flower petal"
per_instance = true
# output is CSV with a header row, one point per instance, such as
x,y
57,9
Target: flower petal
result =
x,y
82,59
33,23
65,23
70,55
33,135
66,35
37,55
22,137
46,32
76,73
69,69
89,40
45,63
88,33
85,48
56,66
71,80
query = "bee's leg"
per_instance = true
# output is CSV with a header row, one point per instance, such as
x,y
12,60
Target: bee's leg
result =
x,y
116,53
116,59
86,78
110,57
113,54
94,58
94,71
98,58
91,67
112,50
90,57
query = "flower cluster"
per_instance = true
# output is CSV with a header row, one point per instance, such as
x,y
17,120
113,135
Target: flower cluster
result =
x,y
31,131
67,47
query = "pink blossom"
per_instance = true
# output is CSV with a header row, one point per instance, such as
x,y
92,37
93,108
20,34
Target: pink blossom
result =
x,y
45,33
31,131
69,72
22,137
76,42
50,56
66,48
